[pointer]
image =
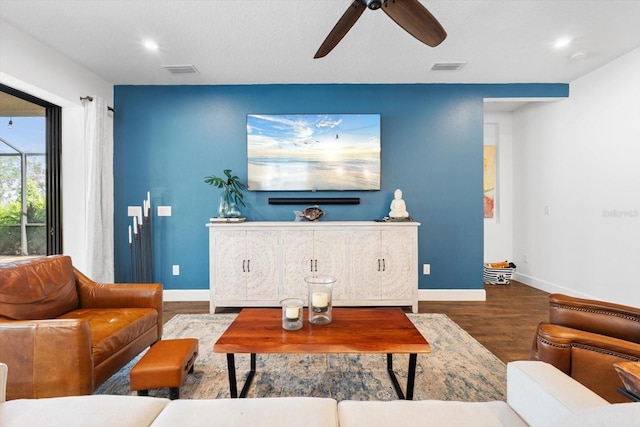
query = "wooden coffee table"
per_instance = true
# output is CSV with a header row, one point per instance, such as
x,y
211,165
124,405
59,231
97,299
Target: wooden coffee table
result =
x,y
353,330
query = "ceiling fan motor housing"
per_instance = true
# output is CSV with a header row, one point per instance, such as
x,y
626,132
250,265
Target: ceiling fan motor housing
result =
x,y
373,4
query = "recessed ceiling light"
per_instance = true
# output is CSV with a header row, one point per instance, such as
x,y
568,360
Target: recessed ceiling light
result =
x,y
561,43
150,45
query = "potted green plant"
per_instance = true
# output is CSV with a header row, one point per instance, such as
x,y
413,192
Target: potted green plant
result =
x,y
232,195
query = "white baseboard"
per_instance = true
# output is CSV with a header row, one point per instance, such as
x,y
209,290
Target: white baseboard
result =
x,y
186,295
452,295
543,285
549,287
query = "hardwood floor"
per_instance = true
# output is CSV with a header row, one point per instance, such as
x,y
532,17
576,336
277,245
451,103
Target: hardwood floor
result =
x,y
505,323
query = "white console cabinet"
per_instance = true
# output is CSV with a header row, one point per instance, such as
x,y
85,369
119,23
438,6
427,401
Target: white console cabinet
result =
x,y
256,264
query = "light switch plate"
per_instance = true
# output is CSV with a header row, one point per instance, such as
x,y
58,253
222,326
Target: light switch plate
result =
x,y
164,210
134,211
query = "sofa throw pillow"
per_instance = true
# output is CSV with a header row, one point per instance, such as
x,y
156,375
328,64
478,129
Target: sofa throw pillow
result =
x,y
40,288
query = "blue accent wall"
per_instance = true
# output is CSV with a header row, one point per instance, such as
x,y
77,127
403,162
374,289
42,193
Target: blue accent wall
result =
x,y
168,138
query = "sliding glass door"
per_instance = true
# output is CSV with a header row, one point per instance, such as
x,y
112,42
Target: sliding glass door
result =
x,y
30,221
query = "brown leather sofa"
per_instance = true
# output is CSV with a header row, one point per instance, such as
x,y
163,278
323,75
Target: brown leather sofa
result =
x,y
63,334
584,338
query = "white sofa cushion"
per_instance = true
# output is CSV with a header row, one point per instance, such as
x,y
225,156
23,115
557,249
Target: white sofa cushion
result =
x,y
275,411
399,413
540,393
82,411
619,415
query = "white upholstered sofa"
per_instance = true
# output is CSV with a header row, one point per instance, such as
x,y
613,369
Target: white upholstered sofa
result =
x,y
537,395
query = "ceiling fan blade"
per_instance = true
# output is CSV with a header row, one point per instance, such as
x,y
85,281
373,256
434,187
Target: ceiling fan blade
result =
x,y
415,19
341,28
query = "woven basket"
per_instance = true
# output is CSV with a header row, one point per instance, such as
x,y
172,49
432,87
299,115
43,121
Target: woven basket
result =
x,y
498,276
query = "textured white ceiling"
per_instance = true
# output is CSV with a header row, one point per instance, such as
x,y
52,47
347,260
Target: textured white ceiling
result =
x,y
273,41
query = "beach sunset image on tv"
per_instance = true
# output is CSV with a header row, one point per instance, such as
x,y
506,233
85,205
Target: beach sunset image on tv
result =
x,y
313,152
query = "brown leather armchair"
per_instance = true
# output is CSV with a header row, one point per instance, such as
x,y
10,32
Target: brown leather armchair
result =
x,y
63,334
584,338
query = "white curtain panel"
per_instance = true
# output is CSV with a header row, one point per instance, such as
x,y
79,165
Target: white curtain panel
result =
x,y
98,138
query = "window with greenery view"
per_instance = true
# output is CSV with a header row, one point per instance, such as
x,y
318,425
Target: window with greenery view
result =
x,y
23,203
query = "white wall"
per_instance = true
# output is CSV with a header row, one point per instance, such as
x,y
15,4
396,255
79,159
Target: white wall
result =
x,y
498,232
577,187
32,67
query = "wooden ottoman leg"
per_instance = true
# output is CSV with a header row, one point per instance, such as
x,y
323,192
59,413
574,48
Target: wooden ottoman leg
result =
x,y
174,393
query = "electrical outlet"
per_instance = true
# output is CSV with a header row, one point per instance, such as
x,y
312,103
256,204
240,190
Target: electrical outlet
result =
x,y
176,270
525,258
426,269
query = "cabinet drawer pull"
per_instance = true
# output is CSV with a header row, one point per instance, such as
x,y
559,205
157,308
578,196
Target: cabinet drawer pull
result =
x,y
378,264
248,266
244,261
316,266
384,265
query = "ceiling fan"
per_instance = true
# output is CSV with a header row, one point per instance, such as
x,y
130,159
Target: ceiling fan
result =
x,y
411,15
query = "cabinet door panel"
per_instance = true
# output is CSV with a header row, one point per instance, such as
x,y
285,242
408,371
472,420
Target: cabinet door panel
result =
x,y
230,251
330,251
399,269
366,265
297,256
262,266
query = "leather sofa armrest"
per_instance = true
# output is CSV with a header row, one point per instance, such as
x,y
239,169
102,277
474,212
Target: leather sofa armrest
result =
x,y
586,357
120,295
47,358
561,336
554,343
599,317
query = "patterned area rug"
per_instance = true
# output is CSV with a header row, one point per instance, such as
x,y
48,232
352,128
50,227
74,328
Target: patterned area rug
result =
x,y
458,368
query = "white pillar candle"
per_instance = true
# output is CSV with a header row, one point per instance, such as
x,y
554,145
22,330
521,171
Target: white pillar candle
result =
x,y
291,313
129,234
135,224
320,299
145,209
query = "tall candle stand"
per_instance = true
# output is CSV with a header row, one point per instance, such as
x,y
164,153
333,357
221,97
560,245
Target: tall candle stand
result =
x,y
141,267
131,256
148,260
141,245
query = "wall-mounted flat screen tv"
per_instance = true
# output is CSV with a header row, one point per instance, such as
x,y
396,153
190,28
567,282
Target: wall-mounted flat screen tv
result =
x,y
313,152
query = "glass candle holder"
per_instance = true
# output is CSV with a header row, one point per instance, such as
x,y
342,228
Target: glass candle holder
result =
x,y
320,299
292,313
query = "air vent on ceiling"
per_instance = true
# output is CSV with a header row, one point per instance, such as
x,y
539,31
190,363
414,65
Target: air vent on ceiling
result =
x,y
181,69
447,66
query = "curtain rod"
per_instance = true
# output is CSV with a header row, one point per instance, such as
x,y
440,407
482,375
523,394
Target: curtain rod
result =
x,y
90,98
